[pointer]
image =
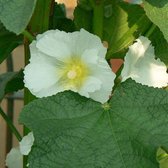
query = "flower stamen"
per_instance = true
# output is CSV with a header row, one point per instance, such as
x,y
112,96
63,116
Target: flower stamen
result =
x,y
72,74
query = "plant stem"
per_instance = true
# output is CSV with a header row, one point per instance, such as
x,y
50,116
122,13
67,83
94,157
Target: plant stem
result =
x,y
10,124
28,35
98,15
150,31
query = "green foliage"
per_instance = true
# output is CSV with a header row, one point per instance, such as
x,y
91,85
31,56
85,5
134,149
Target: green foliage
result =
x,y
10,82
39,22
162,158
83,18
85,4
72,131
8,42
160,45
157,13
15,14
60,21
126,23
123,23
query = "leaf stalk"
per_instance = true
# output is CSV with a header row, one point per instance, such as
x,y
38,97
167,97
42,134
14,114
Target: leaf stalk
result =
x,y
28,35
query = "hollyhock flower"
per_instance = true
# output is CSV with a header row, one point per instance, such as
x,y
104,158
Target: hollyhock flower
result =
x,y
140,65
69,61
14,158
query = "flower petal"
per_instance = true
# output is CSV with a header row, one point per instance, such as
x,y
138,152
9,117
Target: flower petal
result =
x,y
136,51
90,56
104,73
39,76
52,90
14,159
91,85
26,143
153,73
55,44
41,68
86,40
141,65
37,56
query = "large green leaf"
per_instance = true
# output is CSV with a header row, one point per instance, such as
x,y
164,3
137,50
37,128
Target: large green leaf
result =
x,y
72,131
8,42
15,14
160,45
157,11
10,82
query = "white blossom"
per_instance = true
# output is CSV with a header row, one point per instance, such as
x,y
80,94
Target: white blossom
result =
x,y
140,65
14,158
26,143
69,61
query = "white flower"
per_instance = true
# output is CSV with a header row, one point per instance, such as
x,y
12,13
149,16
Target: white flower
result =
x,y
26,143
14,158
140,65
69,61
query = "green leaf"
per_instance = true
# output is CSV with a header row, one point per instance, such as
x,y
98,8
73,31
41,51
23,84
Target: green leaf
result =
x,y
59,20
16,14
8,42
126,23
64,24
10,82
39,22
59,10
157,13
162,158
85,4
123,23
160,44
72,131
83,18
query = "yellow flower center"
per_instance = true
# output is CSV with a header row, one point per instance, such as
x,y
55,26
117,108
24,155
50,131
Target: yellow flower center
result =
x,y
75,73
